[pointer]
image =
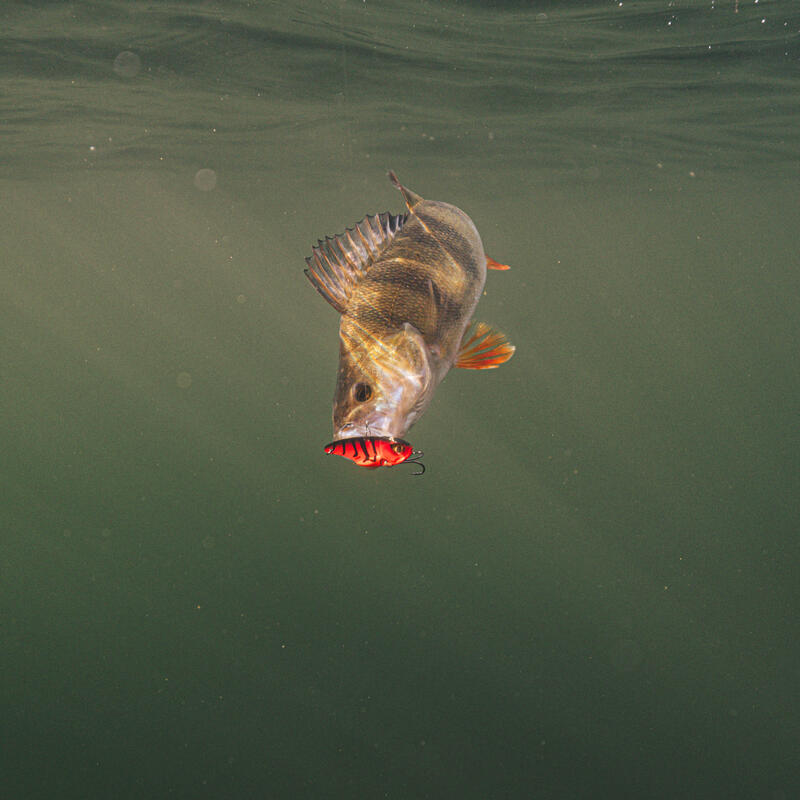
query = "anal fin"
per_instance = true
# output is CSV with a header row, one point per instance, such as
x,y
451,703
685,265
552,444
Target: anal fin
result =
x,y
492,264
486,348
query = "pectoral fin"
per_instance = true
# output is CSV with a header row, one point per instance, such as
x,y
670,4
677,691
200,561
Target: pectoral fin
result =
x,y
486,348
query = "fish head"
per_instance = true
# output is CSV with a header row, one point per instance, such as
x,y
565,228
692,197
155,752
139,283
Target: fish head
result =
x,y
383,385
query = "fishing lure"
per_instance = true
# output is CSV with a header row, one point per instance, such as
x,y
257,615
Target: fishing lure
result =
x,y
375,451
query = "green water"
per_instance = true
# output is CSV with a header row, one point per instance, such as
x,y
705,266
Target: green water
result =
x,y
593,590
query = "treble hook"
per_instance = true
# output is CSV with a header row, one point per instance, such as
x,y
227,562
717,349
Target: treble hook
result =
x,y
414,458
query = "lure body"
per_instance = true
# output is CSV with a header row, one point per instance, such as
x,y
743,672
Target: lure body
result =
x,y
406,287
371,451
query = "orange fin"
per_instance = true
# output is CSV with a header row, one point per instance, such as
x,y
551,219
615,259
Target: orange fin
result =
x,y
492,264
337,263
485,349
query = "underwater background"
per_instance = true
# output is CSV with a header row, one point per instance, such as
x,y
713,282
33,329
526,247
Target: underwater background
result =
x,y
593,590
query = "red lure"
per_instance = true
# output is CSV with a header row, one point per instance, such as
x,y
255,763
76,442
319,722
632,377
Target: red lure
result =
x,y
375,451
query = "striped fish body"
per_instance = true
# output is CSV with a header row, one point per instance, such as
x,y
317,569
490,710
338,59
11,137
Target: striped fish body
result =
x,y
405,320
406,287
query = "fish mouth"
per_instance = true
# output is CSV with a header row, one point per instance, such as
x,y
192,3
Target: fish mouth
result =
x,y
363,429
373,451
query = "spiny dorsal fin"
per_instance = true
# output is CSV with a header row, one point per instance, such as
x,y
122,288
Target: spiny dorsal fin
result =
x,y
486,348
338,262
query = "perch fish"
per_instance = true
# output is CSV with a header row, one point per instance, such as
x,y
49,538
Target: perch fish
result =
x,y
406,287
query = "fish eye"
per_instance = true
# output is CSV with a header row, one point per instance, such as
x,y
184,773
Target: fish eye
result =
x,y
398,447
362,392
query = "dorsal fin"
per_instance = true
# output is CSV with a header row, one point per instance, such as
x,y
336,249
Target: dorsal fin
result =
x,y
338,262
411,198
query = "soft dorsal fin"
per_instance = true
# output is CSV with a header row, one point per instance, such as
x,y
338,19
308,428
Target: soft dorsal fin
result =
x,y
486,348
338,262
411,198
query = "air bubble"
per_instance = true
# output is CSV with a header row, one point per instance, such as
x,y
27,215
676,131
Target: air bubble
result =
x,y
127,64
205,179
